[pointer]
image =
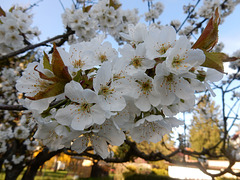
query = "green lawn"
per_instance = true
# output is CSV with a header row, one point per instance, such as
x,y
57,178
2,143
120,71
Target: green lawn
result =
x,y
62,175
46,175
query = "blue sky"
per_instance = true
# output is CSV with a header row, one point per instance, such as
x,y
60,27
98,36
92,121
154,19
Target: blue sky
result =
x,y
47,16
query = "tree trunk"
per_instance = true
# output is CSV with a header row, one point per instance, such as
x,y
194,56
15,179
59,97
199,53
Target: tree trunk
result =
x,y
14,172
1,164
38,161
96,170
56,163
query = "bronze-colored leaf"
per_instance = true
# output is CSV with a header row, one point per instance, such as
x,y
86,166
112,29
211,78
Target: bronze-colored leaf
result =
x,y
114,4
2,12
58,67
209,37
43,76
52,90
230,59
86,8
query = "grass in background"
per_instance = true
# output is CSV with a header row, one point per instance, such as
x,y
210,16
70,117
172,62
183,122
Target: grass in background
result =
x,y
46,175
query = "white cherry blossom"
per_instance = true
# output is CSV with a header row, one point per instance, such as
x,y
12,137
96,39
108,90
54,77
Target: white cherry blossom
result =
x,y
152,128
110,93
99,136
182,58
147,95
137,34
84,111
170,86
135,58
159,41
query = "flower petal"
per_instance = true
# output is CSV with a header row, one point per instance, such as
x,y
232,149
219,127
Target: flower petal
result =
x,y
80,144
100,146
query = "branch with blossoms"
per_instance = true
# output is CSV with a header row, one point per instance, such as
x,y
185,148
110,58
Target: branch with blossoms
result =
x,y
190,11
89,98
106,96
225,8
63,38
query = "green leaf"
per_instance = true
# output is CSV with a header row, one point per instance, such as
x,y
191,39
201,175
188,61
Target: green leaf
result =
x,y
52,90
78,76
12,8
47,111
46,62
215,60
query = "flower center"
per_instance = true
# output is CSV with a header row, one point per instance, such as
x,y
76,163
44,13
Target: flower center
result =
x,y
177,61
169,78
163,49
84,106
19,132
136,62
78,63
105,91
102,58
117,76
146,86
169,82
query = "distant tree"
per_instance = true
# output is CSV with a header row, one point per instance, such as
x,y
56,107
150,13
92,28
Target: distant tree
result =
x,y
165,147
205,130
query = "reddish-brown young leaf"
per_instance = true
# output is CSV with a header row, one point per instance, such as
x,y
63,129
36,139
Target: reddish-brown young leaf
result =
x,y
58,66
43,76
209,36
114,4
86,8
52,90
2,12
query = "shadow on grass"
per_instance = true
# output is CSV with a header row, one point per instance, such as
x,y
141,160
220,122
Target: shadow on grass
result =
x,y
147,177
133,177
97,178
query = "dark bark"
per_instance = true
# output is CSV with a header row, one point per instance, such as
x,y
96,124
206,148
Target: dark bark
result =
x,y
38,161
14,172
96,170
1,164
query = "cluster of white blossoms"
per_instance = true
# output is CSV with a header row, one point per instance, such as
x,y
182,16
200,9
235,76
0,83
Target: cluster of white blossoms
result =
x,y
154,12
18,133
81,22
14,127
209,5
16,30
106,15
235,64
100,97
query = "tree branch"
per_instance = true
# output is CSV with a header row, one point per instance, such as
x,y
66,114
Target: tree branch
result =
x,y
21,107
189,14
44,43
12,107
